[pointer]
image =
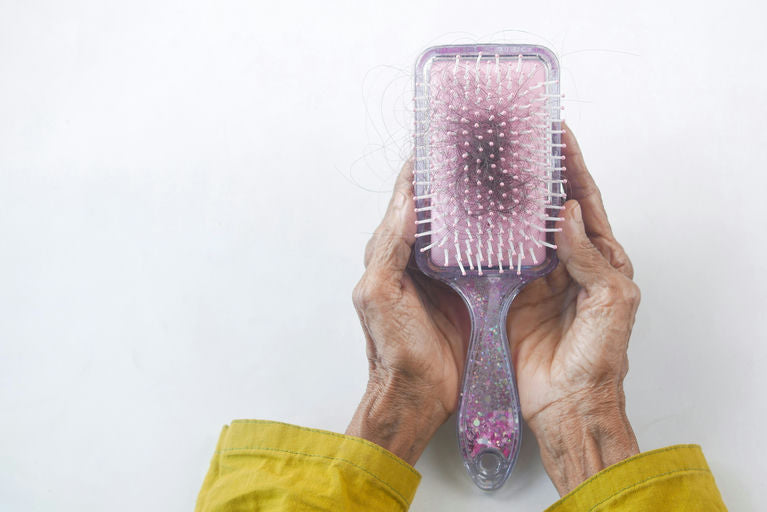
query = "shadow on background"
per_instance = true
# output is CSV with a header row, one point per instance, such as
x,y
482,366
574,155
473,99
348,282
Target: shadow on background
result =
x,y
442,461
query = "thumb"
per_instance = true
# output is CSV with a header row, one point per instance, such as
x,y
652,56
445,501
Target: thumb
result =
x,y
583,260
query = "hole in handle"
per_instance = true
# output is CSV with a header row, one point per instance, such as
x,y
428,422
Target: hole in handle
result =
x,y
489,469
490,464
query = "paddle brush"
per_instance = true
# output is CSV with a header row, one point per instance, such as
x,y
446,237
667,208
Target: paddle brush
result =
x,y
488,189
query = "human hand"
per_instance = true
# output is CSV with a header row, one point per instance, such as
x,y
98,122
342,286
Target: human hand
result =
x,y
415,329
569,332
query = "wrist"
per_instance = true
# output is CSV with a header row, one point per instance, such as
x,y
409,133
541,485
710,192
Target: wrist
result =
x,y
582,435
398,416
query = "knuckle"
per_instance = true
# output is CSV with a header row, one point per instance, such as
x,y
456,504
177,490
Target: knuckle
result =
x,y
361,294
620,261
367,292
627,267
634,293
622,290
615,254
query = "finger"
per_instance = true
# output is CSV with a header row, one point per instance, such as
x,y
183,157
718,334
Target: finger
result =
x,y
581,187
615,254
582,259
389,248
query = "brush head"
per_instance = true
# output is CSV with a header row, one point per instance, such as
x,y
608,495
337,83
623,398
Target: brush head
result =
x,y
488,160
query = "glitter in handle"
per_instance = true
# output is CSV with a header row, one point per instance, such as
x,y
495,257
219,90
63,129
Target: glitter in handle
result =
x,y
488,187
488,416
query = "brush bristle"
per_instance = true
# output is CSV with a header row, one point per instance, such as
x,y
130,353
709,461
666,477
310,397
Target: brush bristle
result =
x,y
490,184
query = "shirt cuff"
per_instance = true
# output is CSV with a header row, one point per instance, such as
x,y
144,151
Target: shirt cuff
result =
x,y
672,478
315,454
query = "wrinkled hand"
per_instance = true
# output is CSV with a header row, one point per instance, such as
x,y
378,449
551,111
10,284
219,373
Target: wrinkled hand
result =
x,y
569,332
415,330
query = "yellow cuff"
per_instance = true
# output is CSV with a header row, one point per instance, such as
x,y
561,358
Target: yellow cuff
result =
x,y
270,463
676,478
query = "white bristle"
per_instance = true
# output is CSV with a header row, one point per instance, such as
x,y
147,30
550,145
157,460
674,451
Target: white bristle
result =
x,y
489,253
424,249
532,254
458,259
430,232
546,244
486,173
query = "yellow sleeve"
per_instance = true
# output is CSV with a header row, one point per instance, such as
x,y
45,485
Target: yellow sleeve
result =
x,y
266,465
671,479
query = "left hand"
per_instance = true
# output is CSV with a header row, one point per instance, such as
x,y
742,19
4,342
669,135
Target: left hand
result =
x,y
415,329
569,333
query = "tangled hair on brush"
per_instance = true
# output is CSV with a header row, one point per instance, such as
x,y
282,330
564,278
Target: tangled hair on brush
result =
x,y
490,175
487,180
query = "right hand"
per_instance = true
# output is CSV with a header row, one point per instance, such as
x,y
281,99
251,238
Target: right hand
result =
x,y
569,332
414,328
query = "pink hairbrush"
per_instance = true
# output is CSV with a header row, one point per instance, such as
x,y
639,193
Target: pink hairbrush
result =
x,y
487,190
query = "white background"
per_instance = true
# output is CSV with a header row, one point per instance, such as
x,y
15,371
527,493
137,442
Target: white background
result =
x,y
185,197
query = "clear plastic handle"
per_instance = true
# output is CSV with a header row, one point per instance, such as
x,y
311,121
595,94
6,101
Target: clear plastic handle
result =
x,y
489,428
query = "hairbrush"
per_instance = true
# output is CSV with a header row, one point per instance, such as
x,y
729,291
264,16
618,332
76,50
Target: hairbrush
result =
x,y
488,188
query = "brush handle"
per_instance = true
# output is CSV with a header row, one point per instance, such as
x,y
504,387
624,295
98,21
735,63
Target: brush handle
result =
x,y
489,428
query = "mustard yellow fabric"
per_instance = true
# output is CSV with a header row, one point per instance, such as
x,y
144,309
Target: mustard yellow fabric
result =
x,y
672,479
269,466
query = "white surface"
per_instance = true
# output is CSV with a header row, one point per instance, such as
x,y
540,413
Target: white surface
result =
x,y
179,235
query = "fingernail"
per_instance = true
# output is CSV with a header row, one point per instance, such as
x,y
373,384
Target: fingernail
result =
x,y
576,218
577,214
